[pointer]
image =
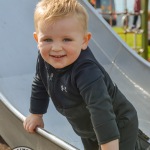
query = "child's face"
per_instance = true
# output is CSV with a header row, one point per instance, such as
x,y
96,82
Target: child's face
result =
x,y
60,43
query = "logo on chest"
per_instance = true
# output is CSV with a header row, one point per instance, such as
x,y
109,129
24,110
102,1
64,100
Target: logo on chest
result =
x,y
63,88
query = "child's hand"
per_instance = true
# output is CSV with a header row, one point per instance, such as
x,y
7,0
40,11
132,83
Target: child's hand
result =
x,y
33,121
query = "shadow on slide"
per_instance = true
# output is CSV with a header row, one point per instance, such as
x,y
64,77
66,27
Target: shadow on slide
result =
x,y
18,54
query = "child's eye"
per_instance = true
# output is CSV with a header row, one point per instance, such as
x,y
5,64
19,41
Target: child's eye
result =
x,y
67,40
48,40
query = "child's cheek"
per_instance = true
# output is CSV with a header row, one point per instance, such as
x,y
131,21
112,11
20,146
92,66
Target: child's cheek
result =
x,y
41,46
44,50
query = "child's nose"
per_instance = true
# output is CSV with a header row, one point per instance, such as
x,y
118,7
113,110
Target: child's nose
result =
x,y
56,46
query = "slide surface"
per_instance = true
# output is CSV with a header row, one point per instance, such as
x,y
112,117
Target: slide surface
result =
x,y
18,53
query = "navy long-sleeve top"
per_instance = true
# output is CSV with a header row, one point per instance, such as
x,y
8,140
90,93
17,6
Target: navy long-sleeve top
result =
x,y
85,94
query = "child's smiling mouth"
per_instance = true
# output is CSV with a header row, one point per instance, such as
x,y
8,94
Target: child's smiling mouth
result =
x,y
57,56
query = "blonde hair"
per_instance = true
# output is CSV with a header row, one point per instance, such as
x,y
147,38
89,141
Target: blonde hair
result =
x,y
50,10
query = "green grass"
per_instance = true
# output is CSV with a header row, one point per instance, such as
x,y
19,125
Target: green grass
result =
x,y
129,39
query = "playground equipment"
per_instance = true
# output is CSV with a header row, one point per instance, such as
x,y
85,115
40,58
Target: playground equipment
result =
x,y
18,55
143,25
126,16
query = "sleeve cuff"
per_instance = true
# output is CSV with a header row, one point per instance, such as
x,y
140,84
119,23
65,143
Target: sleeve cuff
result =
x,y
38,106
107,132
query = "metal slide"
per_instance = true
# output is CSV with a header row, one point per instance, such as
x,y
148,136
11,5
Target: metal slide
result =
x,y
18,54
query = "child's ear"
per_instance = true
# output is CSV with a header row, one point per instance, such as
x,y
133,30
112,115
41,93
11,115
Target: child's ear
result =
x,y
35,36
87,38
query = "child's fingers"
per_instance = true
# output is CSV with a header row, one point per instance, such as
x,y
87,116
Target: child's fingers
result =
x,y
29,127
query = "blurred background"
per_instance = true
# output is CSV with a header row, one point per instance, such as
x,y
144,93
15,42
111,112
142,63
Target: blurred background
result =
x,y
130,19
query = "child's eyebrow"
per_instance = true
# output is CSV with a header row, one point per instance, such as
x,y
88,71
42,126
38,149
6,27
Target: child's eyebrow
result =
x,y
45,36
68,36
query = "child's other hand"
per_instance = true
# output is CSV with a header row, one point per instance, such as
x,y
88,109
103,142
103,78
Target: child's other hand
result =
x,y
33,121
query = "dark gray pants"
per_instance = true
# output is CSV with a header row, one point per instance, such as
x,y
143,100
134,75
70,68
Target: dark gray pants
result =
x,y
128,137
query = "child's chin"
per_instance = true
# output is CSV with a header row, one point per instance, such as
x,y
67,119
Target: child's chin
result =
x,y
58,67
